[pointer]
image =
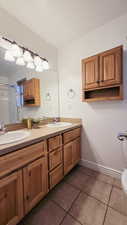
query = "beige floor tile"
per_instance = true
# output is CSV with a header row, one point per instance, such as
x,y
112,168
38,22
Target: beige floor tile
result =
x,y
45,213
99,176
97,189
117,183
70,221
118,200
78,180
64,194
105,178
115,218
87,171
88,210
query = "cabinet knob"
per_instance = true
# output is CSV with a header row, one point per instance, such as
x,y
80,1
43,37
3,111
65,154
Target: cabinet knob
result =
x,y
97,81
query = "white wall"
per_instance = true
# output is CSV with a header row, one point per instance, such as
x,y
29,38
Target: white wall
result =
x,y
101,120
13,29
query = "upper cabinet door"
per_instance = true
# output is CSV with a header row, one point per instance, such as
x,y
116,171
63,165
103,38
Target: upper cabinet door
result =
x,y
35,182
90,72
111,67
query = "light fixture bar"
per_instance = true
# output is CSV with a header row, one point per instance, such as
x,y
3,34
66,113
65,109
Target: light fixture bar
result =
x,y
25,49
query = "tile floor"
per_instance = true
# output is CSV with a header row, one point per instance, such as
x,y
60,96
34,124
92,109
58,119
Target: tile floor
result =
x,y
84,197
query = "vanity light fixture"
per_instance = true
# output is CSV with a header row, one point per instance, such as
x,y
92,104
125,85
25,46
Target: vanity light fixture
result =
x,y
20,61
39,68
30,65
45,65
27,56
37,61
8,56
22,55
16,50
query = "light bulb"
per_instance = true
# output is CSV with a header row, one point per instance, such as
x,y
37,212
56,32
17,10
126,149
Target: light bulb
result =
x,y
37,60
39,68
20,61
30,65
45,65
8,56
16,50
27,56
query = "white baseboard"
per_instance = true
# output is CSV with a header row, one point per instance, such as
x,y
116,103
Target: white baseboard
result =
x,y
103,169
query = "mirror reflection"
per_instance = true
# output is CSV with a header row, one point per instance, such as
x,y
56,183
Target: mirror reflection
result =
x,y
25,92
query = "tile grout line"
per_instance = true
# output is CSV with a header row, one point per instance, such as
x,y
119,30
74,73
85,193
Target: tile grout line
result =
x,y
107,206
69,208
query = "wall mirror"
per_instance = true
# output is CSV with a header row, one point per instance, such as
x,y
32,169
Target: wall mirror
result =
x,y
25,90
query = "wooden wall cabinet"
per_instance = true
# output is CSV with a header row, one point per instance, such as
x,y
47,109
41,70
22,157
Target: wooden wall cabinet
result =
x,y
102,76
31,89
90,68
11,199
111,67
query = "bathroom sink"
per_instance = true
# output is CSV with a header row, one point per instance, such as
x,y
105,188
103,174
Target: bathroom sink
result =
x,y
59,124
13,136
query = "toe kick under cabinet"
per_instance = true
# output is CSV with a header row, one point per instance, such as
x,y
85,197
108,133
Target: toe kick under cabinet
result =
x,y
27,175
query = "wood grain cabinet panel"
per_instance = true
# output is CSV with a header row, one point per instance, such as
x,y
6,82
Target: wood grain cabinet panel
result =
x,y
54,142
72,154
56,176
35,183
76,151
15,160
55,158
90,72
31,92
68,157
11,199
71,135
111,67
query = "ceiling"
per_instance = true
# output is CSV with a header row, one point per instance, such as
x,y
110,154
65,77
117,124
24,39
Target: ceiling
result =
x,y
61,21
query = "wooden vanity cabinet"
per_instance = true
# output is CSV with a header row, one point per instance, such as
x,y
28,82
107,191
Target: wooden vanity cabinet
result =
x,y
68,157
27,174
76,150
55,176
55,158
71,150
31,90
11,199
35,177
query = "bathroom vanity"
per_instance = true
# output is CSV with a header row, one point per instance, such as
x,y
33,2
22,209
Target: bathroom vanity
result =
x,y
32,167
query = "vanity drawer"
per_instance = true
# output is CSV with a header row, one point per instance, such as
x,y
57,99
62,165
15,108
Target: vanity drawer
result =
x,y
18,159
71,135
56,176
55,158
54,142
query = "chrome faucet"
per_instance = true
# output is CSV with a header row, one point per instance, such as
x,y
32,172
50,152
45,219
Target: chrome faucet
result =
x,y
2,128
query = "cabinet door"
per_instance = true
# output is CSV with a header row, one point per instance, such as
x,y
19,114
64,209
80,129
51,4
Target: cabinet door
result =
x,y
68,157
29,89
11,199
35,182
76,151
111,67
90,72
